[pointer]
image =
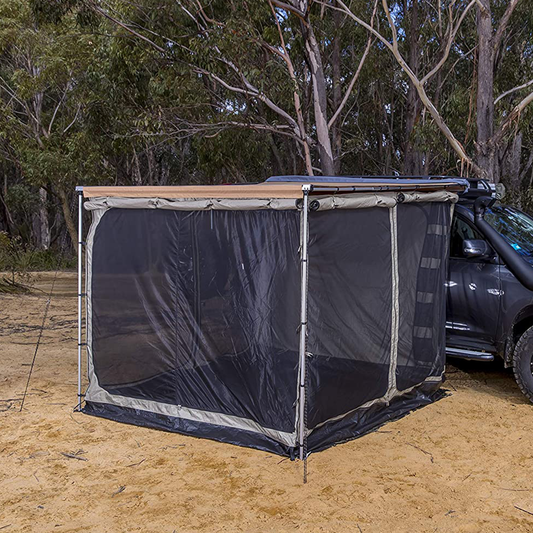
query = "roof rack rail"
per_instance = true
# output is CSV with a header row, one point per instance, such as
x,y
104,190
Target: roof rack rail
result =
x,y
477,187
365,177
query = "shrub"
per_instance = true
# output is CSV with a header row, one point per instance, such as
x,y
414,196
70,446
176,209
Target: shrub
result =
x,y
19,260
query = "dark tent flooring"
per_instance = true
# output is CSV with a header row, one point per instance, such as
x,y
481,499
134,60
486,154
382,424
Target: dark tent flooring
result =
x,y
218,386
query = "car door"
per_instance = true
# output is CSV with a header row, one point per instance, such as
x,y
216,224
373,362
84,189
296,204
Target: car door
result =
x,y
474,293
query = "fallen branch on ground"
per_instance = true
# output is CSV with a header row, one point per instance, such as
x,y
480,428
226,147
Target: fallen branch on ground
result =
x,y
120,489
420,449
74,455
136,464
8,286
523,510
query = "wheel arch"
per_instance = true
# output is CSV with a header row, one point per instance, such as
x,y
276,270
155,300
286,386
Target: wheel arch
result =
x,y
522,322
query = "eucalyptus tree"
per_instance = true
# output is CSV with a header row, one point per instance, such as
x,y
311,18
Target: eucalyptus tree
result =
x,y
504,86
501,31
42,65
270,66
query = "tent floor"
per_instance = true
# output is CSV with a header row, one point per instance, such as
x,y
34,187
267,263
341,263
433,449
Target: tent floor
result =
x,y
247,387
351,427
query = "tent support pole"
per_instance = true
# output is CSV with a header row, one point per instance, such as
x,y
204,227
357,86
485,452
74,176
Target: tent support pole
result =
x,y
79,190
303,321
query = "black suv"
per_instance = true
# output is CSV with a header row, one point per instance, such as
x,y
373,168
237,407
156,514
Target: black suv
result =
x,y
490,282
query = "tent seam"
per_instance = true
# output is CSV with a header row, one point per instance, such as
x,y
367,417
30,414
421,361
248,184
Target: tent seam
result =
x,y
393,214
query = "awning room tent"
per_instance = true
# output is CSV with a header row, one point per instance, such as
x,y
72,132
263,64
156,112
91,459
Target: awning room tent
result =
x,y
286,316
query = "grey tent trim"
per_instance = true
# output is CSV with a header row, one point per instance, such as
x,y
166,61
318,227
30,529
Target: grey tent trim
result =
x,y
345,201
96,394
191,204
97,217
395,308
382,199
383,400
302,347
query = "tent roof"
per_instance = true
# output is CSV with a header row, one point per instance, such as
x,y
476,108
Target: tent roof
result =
x,y
277,189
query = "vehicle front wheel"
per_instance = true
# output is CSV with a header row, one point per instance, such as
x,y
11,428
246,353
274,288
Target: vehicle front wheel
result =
x,y
523,363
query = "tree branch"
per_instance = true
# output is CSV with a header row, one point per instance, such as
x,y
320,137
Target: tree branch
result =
x,y
417,83
296,96
513,90
504,22
513,115
4,85
451,39
127,28
61,100
357,72
291,9
73,120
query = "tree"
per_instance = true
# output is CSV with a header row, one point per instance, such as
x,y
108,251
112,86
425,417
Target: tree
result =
x,y
232,49
489,139
40,106
496,143
188,91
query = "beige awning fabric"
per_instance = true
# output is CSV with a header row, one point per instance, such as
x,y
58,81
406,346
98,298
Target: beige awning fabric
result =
x,y
282,190
263,190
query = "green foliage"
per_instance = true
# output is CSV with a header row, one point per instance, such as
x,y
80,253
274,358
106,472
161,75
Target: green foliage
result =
x,y
85,101
20,260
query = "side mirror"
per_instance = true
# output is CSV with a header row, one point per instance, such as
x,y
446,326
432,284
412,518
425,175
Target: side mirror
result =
x,y
476,248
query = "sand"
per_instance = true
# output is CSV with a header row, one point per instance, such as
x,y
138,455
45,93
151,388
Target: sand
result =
x,y
462,464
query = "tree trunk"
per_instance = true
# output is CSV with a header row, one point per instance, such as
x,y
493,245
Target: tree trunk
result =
x,y
337,92
10,225
69,221
42,221
319,103
486,153
277,164
413,158
511,163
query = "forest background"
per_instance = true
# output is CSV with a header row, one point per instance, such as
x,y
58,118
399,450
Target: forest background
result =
x,y
169,92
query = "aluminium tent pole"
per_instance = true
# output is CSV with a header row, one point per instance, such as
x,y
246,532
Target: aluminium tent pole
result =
x,y
303,319
79,190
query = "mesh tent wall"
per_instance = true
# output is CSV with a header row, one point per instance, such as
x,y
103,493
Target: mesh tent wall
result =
x,y
283,316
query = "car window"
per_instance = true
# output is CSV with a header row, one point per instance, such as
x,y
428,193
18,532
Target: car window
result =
x,y
461,231
514,226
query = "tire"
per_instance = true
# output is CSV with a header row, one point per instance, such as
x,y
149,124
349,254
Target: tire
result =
x,y
523,363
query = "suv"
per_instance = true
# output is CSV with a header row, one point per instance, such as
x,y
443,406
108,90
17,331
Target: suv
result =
x,y
490,281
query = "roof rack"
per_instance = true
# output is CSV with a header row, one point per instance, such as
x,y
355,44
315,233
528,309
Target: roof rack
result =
x,y
344,183
477,187
358,178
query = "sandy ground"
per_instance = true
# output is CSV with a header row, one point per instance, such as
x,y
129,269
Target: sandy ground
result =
x,y
462,464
